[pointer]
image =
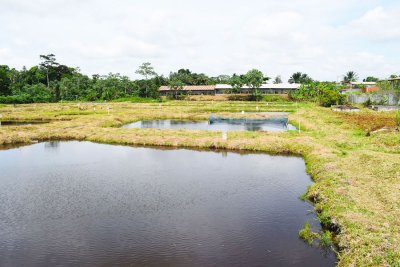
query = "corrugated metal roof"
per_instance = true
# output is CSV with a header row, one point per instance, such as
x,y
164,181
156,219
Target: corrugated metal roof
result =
x,y
191,88
264,86
227,86
363,83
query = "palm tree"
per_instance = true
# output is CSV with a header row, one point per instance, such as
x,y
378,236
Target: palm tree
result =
x,y
299,77
350,76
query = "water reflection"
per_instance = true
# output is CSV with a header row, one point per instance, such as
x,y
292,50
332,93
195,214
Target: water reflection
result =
x,y
16,123
103,205
272,125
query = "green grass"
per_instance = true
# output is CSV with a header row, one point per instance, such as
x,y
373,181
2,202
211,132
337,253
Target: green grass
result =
x,y
325,239
356,193
136,99
307,234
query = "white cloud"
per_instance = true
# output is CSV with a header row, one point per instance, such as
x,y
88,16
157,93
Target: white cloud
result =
x,y
377,24
214,37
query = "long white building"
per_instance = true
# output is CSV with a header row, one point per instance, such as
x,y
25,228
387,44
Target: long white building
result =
x,y
219,89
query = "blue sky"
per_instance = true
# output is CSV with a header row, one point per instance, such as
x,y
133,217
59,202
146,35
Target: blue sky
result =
x,y
322,38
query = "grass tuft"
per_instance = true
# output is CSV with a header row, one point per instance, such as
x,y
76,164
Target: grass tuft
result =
x,y
307,234
325,239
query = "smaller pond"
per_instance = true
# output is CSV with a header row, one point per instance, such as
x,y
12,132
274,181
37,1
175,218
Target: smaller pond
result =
x,y
17,123
270,125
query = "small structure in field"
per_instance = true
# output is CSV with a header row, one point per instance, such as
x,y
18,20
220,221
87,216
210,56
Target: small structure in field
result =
x,y
345,108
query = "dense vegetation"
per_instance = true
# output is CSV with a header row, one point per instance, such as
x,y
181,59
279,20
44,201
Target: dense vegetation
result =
x,y
51,81
325,93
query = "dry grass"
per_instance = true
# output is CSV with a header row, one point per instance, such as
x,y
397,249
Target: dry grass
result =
x,y
357,177
370,120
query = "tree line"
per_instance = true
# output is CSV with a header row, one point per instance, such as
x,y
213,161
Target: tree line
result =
x,y
51,81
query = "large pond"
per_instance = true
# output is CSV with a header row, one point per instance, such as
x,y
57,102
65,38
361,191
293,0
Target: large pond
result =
x,y
87,204
223,125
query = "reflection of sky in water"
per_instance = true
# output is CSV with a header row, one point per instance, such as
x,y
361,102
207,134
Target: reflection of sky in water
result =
x,y
272,125
87,204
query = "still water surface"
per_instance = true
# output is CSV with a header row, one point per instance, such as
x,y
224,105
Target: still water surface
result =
x,y
16,123
251,125
87,204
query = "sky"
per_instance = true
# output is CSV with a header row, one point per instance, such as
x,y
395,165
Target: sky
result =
x,y
322,38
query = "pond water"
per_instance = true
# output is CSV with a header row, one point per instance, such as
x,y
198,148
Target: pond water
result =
x,y
16,123
87,204
223,125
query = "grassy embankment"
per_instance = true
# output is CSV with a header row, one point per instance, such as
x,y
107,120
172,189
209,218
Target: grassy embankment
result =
x,y
356,170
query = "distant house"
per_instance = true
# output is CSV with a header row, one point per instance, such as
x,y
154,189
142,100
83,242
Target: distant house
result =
x,y
281,88
362,84
189,89
360,87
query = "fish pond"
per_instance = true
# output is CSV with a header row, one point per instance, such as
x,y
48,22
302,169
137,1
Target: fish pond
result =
x,y
271,125
87,204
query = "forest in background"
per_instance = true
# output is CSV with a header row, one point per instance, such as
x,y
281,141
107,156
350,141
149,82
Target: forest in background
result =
x,y
51,81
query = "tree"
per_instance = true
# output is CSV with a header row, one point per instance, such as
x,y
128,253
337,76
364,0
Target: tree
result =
x,y
225,79
350,76
299,77
393,76
176,85
190,78
236,82
254,79
48,62
371,79
5,80
146,70
277,79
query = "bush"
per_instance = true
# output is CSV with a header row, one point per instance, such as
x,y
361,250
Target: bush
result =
x,y
367,103
238,97
331,97
398,118
16,99
256,96
275,98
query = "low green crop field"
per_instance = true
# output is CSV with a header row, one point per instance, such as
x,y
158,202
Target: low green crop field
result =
x,y
354,158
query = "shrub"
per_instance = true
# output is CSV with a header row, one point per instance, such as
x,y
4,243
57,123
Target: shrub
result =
x,y
275,98
331,97
398,118
238,97
16,99
256,96
367,103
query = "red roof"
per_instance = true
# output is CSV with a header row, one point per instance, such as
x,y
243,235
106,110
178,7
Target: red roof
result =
x,y
190,88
